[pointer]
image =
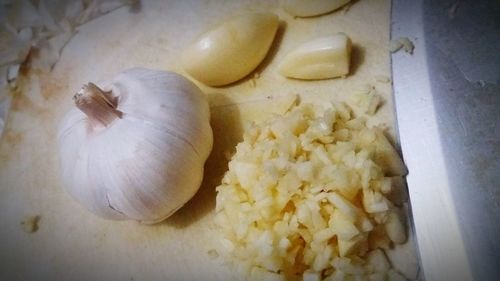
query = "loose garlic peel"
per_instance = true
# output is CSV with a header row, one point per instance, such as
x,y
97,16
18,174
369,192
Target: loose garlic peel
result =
x,y
135,147
231,50
309,8
321,58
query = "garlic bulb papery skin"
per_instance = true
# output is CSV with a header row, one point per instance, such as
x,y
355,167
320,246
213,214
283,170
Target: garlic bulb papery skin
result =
x,y
321,58
231,50
310,8
135,147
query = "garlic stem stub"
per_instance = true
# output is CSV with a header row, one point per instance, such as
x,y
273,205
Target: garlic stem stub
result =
x,y
310,8
231,50
321,58
134,147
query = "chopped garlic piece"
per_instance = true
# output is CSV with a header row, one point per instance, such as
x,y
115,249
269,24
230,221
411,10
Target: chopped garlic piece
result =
x,y
12,72
395,46
394,228
403,42
311,276
367,99
378,261
292,204
407,45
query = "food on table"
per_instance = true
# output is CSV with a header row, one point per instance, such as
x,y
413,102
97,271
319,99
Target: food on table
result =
x,y
134,147
320,58
307,195
367,99
231,50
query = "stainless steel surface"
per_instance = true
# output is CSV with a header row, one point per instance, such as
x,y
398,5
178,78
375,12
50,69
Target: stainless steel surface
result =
x,y
447,98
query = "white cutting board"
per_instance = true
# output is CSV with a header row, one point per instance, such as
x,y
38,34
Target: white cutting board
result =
x,y
71,243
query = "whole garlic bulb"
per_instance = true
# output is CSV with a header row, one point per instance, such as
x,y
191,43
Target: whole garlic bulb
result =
x,y
135,147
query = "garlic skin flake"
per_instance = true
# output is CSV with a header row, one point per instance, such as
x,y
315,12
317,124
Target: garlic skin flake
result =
x,y
231,50
135,147
320,58
310,8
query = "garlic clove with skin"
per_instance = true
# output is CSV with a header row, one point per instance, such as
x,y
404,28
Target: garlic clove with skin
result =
x,y
135,147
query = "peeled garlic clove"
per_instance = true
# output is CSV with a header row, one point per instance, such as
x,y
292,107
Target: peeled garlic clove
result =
x,y
134,147
309,8
232,50
321,58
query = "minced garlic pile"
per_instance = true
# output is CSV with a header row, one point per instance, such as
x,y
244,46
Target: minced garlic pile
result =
x,y
309,197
